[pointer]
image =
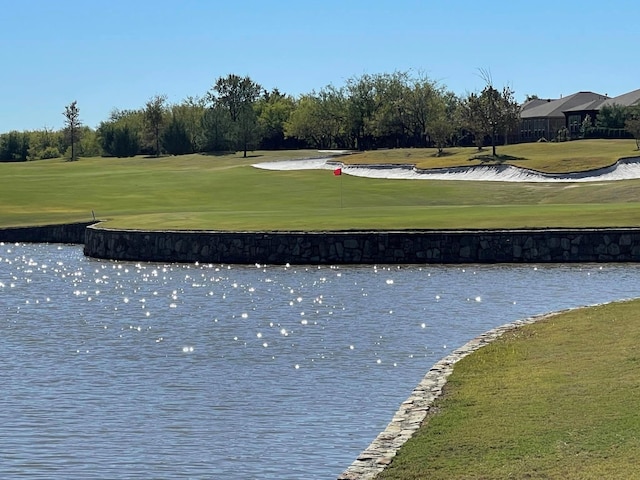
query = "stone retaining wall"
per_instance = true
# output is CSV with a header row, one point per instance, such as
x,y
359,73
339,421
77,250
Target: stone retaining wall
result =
x,y
375,247
64,233
411,414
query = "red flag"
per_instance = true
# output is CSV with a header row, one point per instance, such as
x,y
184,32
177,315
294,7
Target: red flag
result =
x,y
337,171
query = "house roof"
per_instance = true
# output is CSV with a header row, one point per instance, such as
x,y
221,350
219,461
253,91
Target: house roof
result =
x,y
534,102
626,99
593,105
555,108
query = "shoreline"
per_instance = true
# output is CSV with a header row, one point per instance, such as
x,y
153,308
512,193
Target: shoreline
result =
x,y
408,418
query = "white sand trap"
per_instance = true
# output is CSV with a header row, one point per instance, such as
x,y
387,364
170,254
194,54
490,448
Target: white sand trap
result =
x,y
624,169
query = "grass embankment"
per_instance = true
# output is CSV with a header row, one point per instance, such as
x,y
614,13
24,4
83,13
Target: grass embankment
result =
x,y
557,399
543,157
226,193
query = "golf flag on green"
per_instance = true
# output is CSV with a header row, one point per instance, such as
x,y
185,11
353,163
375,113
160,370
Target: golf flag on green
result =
x,y
337,171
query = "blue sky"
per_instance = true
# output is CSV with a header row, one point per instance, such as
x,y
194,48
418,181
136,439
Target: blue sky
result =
x,y
118,54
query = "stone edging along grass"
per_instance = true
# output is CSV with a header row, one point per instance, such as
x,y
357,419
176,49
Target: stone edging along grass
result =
x,y
409,417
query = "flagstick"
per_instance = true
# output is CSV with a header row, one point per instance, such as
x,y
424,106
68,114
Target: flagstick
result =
x,y
340,189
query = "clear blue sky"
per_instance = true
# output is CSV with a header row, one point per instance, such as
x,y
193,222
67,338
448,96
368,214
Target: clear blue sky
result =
x,y
117,54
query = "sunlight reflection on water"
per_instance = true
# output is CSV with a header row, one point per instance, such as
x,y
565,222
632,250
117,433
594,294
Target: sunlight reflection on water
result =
x,y
136,370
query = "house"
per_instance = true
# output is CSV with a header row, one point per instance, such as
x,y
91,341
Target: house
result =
x,y
541,119
544,118
576,115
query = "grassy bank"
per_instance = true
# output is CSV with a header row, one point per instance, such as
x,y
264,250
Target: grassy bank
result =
x,y
557,399
543,156
225,192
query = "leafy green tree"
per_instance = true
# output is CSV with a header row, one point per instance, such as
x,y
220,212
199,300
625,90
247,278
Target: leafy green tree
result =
x,y
319,119
14,146
391,121
121,135
443,121
238,95
89,146
611,116
175,138
491,113
72,127
154,120
302,123
44,144
632,123
273,110
425,108
332,117
217,130
362,106
472,119
190,113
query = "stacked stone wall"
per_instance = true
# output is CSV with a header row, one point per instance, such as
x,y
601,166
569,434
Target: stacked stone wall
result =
x,y
367,247
63,233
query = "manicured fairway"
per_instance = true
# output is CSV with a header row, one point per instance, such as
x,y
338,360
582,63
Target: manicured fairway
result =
x,y
225,192
557,399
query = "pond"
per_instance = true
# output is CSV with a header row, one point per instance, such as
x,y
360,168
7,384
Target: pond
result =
x,y
165,371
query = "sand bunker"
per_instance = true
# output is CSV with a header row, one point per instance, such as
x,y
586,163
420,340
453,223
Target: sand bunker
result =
x,y
624,169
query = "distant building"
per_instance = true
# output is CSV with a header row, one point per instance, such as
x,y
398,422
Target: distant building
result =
x,y
576,115
541,119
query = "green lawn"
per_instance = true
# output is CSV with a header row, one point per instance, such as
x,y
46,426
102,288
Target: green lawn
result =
x,y
557,399
225,192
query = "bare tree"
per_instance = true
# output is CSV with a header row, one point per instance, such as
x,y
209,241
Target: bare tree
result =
x,y
72,126
492,112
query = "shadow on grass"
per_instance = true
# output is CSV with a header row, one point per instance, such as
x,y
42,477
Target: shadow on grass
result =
x,y
444,153
228,154
488,158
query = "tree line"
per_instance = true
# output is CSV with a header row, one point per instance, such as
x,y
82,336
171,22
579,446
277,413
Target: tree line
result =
x,y
237,114
613,121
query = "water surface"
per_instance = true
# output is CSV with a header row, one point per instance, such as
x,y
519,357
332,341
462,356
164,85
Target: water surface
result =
x,y
140,370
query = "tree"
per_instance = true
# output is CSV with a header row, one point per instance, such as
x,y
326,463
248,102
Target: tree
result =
x,y
14,146
586,126
273,110
217,130
443,123
302,123
473,119
611,116
120,136
189,113
72,126
44,144
175,138
492,112
632,124
390,121
319,119
154,120
425,107
238,95
89,145
361,110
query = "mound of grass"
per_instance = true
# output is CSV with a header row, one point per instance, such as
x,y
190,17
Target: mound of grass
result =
x,y
548,157
556,399
224,192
